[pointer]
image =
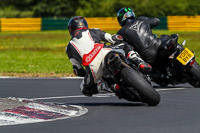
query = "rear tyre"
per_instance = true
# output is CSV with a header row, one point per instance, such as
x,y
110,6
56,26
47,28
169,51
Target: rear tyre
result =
x,y
147,93
194,71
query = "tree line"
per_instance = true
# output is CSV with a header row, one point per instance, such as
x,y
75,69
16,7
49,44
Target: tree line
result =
x,y
96,8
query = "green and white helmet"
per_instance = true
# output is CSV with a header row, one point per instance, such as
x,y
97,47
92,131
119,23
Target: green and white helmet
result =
x,y
124,14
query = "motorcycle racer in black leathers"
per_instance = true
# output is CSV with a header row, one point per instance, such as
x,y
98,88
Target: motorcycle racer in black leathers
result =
x,y
161,53
137,32
85,49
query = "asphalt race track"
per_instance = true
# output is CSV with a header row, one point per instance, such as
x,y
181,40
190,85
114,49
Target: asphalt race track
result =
x,y
178,112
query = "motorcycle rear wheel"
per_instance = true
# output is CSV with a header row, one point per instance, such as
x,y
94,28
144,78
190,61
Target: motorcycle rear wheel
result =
x,y
195,72
147,93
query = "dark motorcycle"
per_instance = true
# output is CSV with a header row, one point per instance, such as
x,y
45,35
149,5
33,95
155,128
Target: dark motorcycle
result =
x,y
175,64
134,86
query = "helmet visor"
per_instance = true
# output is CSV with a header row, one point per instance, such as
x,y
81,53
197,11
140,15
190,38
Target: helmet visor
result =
x,y
128,14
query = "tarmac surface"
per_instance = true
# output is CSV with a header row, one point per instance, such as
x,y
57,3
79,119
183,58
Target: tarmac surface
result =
x,y
178,111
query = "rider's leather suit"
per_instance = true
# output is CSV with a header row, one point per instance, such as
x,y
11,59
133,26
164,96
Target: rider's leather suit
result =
x,y
86,49
137,32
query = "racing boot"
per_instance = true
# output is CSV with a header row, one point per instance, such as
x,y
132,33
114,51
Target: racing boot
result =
x,y
88,90
141,64
117,90
99,87
102,87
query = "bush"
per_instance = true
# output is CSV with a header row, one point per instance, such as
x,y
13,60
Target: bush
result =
x,y
96,8
9,12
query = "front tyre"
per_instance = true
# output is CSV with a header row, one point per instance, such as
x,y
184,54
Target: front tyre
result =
x,y
147,93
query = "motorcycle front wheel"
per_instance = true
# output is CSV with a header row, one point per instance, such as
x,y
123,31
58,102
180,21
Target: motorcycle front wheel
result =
x,y
147,93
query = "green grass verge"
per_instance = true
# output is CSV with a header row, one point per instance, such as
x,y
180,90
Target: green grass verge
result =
x,y
34,52
44,52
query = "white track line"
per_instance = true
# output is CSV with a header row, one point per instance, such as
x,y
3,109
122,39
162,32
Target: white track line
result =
x,y
100,95
7,77
60,97
171,89
77,96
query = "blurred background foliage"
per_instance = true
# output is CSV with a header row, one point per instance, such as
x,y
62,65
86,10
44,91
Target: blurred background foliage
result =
x,y
96,8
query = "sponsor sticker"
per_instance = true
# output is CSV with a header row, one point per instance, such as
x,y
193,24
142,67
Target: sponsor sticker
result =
x,y
88,58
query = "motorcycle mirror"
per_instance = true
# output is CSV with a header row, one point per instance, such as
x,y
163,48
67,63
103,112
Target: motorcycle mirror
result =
x,y
183,43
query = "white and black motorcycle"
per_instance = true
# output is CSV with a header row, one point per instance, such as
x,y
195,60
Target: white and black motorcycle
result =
x,y
133,85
